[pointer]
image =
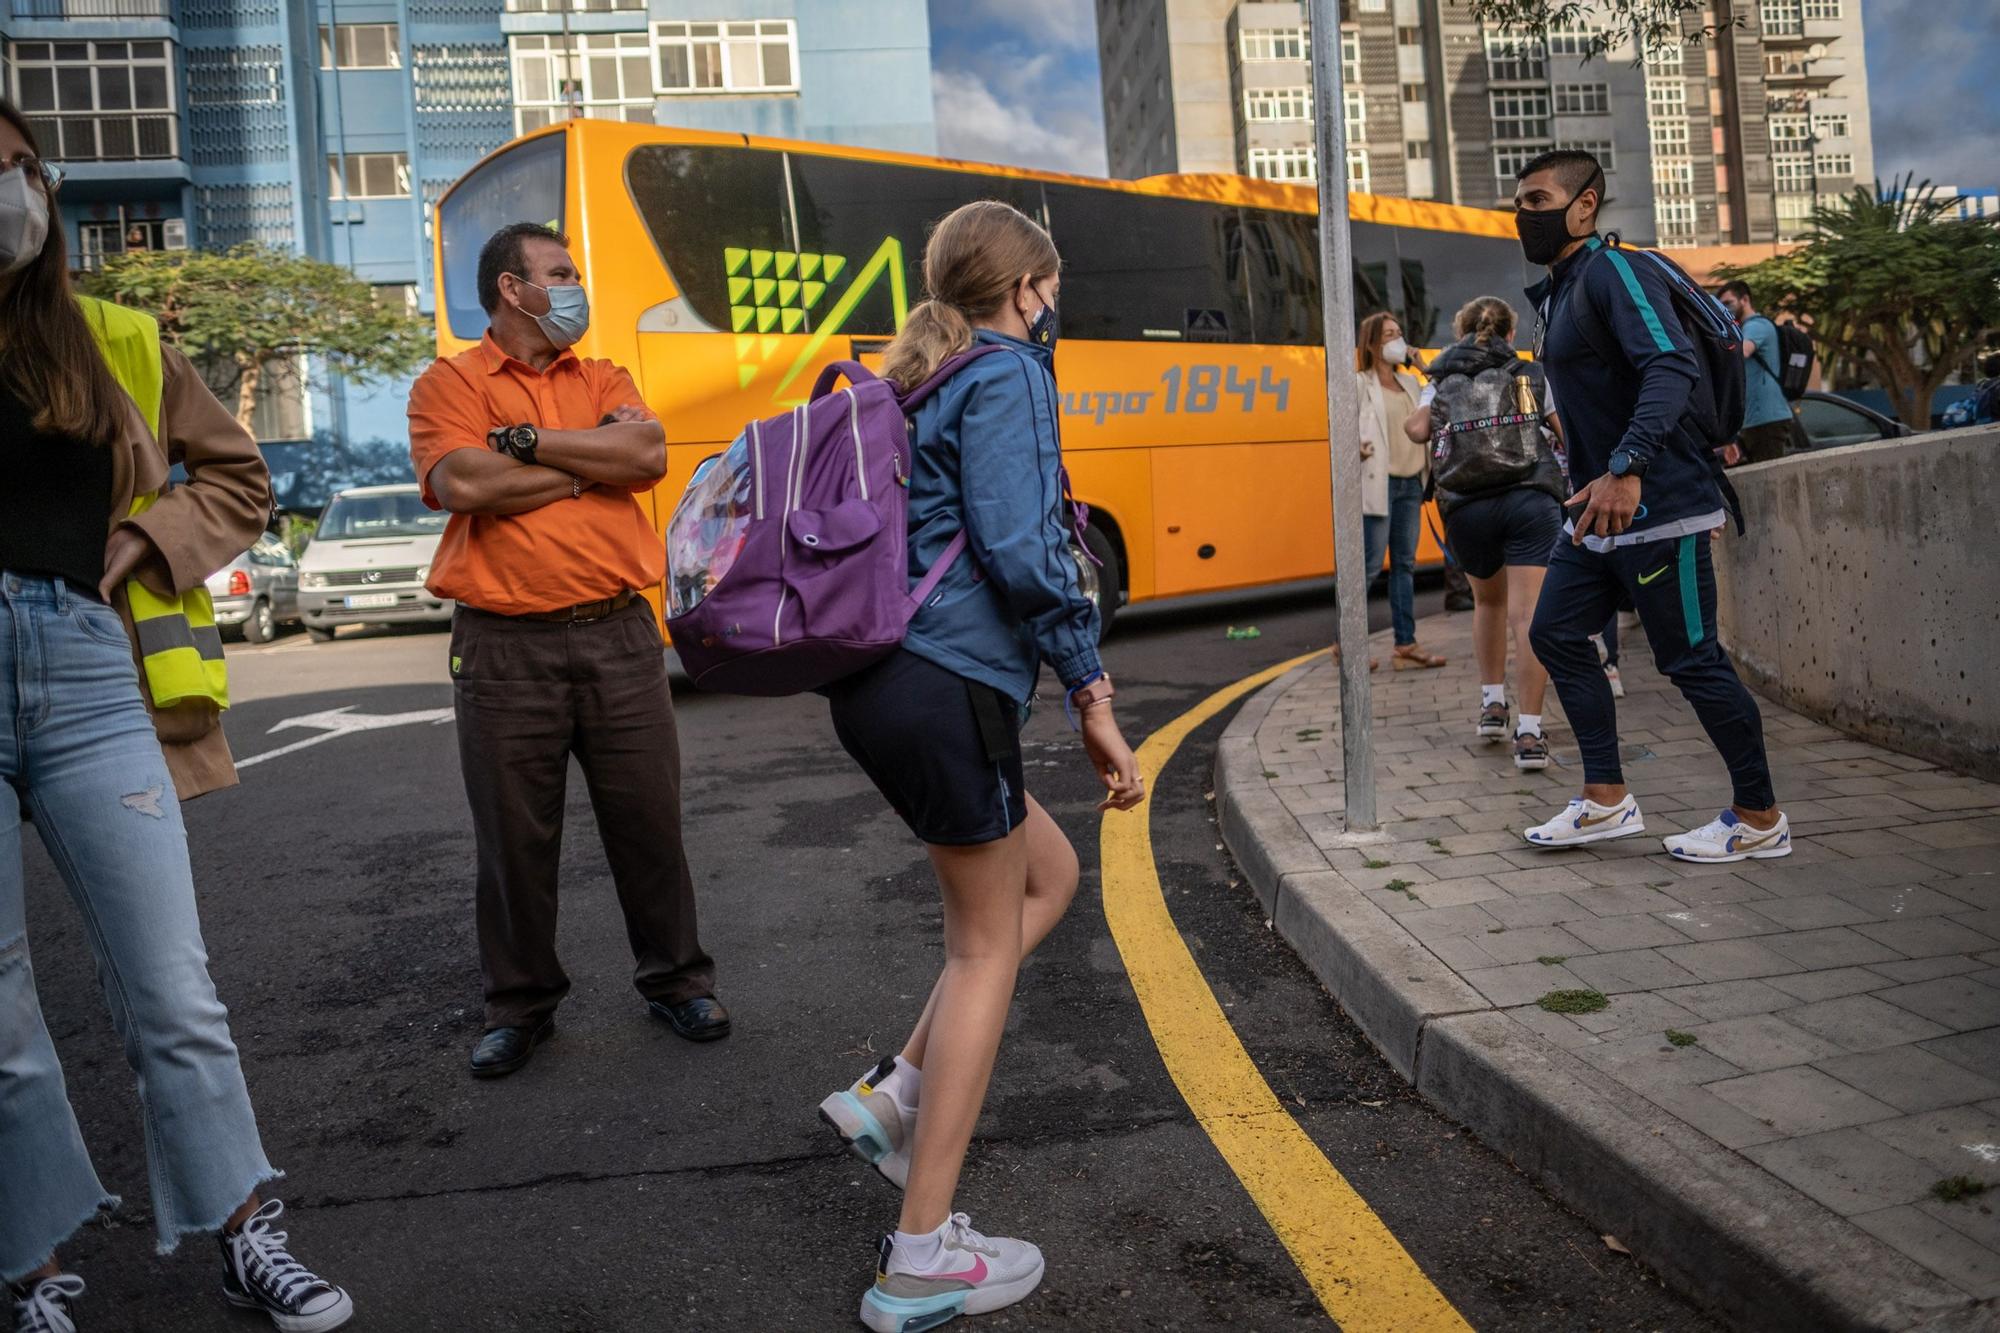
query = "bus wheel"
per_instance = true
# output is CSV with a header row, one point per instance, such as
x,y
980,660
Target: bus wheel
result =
x,y
1100,582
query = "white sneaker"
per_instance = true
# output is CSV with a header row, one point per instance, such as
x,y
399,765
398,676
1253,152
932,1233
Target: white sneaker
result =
x,y
1585,821
259,1273
872,1124
1603,652
1617,685
975,1275
43,1305
1727,838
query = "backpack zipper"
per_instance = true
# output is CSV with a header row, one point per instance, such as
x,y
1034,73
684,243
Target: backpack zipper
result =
x,y
854,426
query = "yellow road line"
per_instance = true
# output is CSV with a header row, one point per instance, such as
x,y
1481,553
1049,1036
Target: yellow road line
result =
x,y
1360,1272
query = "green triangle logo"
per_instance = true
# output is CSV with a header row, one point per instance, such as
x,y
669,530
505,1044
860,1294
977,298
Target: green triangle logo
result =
x,y
765,286
760,260
733,257
786,262
835,263
744,343
793,318
744,374
814,290
808,265
788,292
766,317
766,346
739,317
738,286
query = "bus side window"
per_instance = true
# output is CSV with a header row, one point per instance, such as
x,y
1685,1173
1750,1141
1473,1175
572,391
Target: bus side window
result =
x,y
1284,278
1144,268
717,216
1419,316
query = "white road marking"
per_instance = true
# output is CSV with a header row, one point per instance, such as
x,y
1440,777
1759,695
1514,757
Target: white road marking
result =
x,y
335,722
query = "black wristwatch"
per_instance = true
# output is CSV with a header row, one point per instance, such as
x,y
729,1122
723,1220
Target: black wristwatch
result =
x,y
516,441
1625,463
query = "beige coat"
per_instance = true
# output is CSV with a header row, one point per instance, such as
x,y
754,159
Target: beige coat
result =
x,y
1375,468
195,529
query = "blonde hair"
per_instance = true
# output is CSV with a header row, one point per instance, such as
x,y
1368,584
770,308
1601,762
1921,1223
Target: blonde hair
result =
x,y
1371,334
976,257
1487,317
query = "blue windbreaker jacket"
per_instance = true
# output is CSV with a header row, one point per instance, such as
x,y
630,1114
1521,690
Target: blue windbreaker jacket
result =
x,y
988,461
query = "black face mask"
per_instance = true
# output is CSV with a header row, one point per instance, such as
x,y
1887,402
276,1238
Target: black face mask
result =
x,y
1545,231
1042,329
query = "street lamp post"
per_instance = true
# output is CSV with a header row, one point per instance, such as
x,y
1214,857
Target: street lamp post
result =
x,y
1342,414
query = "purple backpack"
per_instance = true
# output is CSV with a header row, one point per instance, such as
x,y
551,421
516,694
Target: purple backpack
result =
x,y
787,557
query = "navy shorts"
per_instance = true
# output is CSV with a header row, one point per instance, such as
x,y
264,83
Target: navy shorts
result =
x,y
945,750
1516,527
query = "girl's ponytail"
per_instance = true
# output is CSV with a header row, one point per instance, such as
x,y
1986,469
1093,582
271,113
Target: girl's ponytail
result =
x,y
932,335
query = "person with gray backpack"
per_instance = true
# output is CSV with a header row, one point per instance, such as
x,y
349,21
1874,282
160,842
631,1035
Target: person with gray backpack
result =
x,y
1500,487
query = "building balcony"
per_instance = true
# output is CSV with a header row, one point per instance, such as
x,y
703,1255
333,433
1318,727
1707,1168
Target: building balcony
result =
x,y
1802,70
59,10
1824,30
152,136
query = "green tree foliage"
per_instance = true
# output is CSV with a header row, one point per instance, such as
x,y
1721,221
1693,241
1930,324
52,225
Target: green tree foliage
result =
x,y
1653,25
1895,291
246,314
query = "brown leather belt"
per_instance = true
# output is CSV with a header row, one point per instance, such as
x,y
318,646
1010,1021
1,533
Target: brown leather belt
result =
x,y
583,611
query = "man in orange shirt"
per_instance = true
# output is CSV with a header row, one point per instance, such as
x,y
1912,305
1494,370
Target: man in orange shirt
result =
x,y
538,455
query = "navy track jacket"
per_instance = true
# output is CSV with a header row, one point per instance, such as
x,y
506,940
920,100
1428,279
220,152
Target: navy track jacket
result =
x,y
1623,369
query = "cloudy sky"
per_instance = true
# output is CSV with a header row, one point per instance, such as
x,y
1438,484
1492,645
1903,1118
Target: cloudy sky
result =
x,y
1016,82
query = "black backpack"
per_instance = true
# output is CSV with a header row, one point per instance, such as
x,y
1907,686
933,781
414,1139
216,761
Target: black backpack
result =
x,y
1795,360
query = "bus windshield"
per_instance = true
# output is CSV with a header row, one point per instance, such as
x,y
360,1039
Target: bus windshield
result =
x,y
523,184
360,517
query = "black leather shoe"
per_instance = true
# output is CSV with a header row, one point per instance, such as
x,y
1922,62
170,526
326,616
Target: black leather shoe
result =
x,y
701,1019
504,1050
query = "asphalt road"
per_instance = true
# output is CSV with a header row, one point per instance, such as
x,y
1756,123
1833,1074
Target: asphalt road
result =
x,y
629,1180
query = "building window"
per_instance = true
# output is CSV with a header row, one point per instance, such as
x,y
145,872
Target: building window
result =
x,y
125,230
1583,99
574,6
1408,36
1356,102
1417,150
1794,215
1374,6
1676,219
1572,41
1357,170
1668,60
369,176
1667,97
1790,130
1670,136
1781,18
360,46
1507,164
1673,176
98,101
1272,43
1792,173
606,75
1515,60
761,56
1414,93
1824,11
1520,115
1262,104
1597,148
1350,56
1292,165
1830,127
1834,164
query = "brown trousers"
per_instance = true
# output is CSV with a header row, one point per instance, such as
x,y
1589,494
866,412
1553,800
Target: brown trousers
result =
x,y
529,694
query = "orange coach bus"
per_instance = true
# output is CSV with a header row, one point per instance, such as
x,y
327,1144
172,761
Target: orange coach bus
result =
x,y
725,270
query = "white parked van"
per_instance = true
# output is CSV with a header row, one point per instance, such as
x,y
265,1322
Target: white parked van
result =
x,y
368,560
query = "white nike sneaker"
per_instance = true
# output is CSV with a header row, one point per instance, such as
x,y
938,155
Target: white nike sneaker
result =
x,y
1585,821
1727,838
974,1275
872,1125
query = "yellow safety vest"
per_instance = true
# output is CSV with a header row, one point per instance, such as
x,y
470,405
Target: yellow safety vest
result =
x,y
179,645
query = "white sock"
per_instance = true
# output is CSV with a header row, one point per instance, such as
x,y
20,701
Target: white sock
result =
x,y
903,1084
1528,724
923,1251
1492,694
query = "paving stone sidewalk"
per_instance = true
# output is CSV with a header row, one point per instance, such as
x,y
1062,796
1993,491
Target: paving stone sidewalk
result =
x,y
1832,1017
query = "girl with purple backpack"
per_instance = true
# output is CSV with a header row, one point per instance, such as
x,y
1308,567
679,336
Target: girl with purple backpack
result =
x,y
936,726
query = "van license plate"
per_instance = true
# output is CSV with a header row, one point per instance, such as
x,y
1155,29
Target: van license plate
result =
x,y
369,599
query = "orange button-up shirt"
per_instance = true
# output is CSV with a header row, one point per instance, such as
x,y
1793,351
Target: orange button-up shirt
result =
x,y
571,551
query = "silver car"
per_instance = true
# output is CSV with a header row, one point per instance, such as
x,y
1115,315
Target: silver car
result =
x,y
257,591
368,561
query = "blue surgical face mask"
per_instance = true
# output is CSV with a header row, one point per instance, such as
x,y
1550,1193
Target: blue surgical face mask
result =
x,y
568,317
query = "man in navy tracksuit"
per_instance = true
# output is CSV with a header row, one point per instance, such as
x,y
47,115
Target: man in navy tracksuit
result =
x,y
1623,368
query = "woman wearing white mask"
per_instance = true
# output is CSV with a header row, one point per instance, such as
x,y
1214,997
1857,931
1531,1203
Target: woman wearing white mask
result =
x,y
1388,394
111,684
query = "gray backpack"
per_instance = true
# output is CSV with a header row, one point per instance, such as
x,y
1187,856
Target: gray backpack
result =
x,y
1486,430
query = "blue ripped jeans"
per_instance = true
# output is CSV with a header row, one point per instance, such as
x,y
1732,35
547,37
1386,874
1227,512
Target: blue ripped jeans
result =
x,y
78,755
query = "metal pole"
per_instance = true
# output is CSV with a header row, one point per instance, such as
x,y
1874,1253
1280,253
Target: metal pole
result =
x,y
1342,415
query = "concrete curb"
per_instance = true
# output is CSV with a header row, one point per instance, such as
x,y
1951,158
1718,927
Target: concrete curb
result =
x,y
1756,1251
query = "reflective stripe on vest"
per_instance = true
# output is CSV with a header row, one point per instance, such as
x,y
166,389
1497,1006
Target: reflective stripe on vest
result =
x,y
179,645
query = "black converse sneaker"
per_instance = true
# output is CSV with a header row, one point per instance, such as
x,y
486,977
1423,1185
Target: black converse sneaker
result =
x,y
258,1274
42,1306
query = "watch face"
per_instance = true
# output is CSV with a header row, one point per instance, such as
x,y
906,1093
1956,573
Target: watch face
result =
x,y
522,437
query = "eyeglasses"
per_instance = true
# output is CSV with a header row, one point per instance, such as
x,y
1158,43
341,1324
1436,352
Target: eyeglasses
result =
x,y
51,174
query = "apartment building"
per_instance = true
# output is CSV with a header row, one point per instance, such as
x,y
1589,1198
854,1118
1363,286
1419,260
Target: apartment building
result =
x,y
1730,140
330,127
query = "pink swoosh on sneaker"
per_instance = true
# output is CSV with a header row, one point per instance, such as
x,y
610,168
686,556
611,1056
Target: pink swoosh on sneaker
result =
x,y
975,1274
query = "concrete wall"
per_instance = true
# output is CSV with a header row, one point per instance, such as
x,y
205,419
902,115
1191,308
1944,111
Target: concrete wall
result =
x,y
1866,592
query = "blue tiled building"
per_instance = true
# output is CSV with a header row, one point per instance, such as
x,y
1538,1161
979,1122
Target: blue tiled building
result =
x,y
329,126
